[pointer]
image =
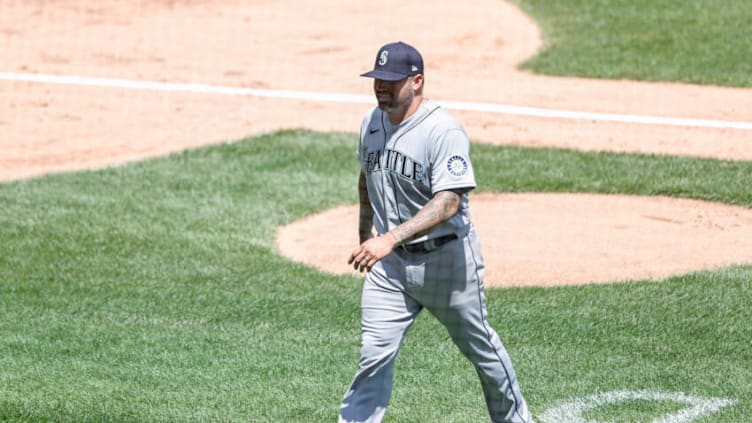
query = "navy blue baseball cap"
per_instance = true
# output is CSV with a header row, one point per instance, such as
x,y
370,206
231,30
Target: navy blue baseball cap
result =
x,y
395,62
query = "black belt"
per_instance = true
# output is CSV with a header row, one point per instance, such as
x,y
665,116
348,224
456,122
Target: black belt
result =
x,y
429,245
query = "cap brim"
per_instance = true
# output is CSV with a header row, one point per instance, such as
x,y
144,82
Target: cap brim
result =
x,y
384,75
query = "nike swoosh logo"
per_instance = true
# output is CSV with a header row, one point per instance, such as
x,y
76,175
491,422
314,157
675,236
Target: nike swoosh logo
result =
x,y
373,130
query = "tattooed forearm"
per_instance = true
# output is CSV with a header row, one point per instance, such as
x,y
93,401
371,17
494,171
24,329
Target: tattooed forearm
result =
x,y
366,211
440,208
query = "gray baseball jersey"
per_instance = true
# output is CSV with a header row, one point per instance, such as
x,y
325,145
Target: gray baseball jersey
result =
x,y
406,164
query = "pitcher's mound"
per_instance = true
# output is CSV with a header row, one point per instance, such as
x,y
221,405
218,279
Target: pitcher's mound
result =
x,y
562,239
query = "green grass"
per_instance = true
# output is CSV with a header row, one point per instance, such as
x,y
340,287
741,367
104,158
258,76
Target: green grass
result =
x,y
695,41
519,169
153,292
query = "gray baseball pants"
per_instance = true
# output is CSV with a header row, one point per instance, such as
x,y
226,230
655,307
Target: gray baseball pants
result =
x,y
449,283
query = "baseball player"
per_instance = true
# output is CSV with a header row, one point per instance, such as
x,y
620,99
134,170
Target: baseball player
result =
x,y
414,182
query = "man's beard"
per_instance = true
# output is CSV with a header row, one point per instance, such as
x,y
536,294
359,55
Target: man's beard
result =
x,y
396,103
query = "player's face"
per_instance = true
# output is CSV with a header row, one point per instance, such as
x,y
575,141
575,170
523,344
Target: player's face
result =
x,y
394,96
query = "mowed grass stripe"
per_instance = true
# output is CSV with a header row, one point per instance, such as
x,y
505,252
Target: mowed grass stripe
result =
x,y
695,41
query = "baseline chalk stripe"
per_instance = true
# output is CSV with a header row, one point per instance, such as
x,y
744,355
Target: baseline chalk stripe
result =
x,y
571,412
184,87
364,99
602,117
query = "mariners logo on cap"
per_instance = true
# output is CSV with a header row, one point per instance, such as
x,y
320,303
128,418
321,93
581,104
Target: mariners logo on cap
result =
x,y
383,57
457,165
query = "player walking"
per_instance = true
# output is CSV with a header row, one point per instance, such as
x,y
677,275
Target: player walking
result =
x,y
414,182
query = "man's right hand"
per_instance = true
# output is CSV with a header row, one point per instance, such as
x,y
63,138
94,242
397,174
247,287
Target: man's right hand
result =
x,y
369,252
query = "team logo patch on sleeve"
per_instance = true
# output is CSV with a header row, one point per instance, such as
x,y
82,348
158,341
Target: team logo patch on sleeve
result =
x,y
457,165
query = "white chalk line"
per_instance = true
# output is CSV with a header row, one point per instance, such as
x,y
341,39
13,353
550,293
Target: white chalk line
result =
x,y
364,99
696,407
